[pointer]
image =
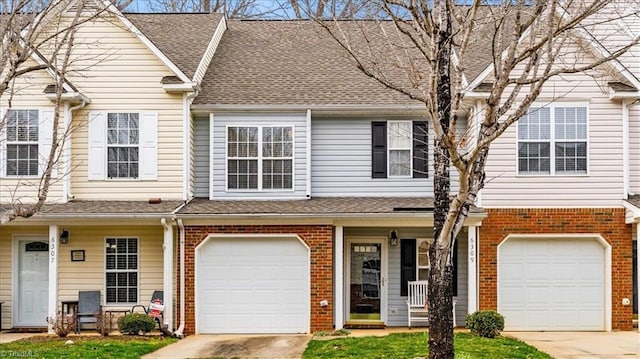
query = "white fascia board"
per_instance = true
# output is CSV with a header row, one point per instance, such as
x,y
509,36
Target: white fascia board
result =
x,y
633,211
210,51
185,87
317,109
70,97
616,95
145,40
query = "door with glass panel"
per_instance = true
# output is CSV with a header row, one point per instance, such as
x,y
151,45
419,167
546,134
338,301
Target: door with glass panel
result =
x,y
366,271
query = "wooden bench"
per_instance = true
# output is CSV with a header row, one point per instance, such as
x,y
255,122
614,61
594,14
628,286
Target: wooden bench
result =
x,y
417,304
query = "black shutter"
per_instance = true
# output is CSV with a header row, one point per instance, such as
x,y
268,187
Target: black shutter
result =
x,y
420,149
378,149
407,263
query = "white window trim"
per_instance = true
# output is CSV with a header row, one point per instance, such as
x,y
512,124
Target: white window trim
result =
x,y
129,145
389,149
552,142
260,158
42,142
418,267
104,268
97,146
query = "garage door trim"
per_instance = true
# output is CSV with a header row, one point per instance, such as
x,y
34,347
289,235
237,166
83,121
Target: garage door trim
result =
x,y
607,265
211,237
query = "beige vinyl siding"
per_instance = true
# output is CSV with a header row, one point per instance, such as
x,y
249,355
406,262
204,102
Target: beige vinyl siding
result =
x,y
123,75
29,95
7,252
634,149
602,186
90,274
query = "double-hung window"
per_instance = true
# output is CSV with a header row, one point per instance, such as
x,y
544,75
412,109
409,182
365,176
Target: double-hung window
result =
x,y
553,140
22,131
260,158
399,149
121,267
122,145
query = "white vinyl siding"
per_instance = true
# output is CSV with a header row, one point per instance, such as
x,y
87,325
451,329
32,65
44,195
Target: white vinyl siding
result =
x,y
218,140
601,186
341,162
123,145
123,75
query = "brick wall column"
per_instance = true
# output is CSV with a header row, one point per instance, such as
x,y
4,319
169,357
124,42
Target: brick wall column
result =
x,y
319,238
607,222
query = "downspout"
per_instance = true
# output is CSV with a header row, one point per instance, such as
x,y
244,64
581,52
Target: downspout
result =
x,y
186,186
626,105
179,332
67,195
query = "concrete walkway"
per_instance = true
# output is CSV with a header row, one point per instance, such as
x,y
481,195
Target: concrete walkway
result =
x,y
12,337
234,346
583,345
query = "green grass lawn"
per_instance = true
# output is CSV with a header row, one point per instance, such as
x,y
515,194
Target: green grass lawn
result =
x,y
118,346
412,345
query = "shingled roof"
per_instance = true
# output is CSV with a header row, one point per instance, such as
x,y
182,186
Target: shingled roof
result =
x,y
183,38
287,63
317,206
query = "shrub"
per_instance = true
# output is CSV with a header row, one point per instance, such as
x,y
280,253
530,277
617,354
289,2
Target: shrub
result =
x,y
485,323
103,323
62,324
135,323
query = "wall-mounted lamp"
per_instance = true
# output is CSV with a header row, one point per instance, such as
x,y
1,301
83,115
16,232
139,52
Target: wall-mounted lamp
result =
x,y
393,238
64,237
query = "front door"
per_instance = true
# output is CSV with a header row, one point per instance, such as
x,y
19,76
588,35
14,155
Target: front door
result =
x,y
33,283
366,281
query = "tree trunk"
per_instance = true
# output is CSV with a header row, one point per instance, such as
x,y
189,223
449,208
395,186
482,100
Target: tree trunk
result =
x,y
441,270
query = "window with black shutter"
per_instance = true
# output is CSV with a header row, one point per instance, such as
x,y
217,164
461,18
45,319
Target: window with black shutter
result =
x,y
407,263
399,149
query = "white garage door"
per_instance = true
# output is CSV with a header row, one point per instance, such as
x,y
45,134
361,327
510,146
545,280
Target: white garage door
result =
x,y
252,285
552,284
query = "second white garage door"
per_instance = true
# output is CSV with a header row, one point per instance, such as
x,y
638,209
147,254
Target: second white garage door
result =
x,y
552,284
252,285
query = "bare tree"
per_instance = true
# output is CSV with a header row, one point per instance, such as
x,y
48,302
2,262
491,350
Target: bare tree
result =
x,y
425,49
233,9
38,36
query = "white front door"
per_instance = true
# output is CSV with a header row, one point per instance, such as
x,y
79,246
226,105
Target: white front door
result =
x,y
33,283
366,280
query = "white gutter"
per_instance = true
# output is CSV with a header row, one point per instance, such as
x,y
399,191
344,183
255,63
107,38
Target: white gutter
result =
x,y
409,109
167,273
625,148
179,332
66,188
186,128
183,87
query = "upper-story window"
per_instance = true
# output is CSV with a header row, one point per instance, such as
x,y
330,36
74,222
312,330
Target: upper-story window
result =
x,y
123,145
260,158
553,140
22,142
399,149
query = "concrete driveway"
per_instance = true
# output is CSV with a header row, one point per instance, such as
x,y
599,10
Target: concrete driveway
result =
x,y
234,346
583,345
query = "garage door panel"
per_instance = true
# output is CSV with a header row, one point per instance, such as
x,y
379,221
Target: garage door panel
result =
x,y
551,284
253,285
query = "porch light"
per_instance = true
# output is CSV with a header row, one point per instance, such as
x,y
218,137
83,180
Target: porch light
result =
x,y
393,238
64,237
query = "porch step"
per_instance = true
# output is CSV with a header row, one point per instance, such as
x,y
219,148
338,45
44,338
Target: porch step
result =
x,y
370,325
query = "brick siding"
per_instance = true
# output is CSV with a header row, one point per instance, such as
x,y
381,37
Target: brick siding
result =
x,y
607,222
319,238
